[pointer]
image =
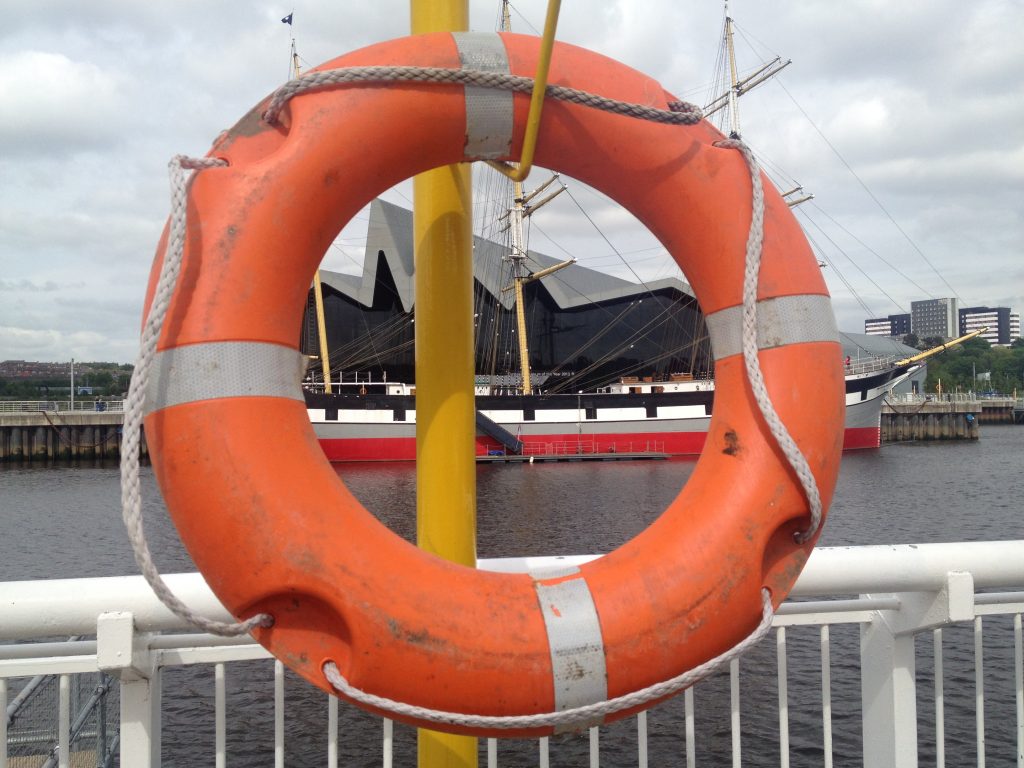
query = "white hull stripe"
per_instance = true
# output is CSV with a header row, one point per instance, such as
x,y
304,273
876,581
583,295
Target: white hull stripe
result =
x,y
213,370
577,647
801,319
488,110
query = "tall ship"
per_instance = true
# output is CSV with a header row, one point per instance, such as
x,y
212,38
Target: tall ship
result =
x,y
569,360
641,379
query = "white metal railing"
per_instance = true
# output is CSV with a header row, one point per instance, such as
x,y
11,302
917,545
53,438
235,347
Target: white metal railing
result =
x,y
590,445
912,398
870,364
893,594
36,406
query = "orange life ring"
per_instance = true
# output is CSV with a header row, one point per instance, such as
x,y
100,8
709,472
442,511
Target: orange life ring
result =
x,y
398,622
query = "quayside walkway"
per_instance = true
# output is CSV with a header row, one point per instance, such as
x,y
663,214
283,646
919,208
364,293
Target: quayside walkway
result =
x,y
937,650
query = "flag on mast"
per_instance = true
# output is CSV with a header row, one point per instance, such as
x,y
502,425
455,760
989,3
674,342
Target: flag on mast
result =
x,y
287,19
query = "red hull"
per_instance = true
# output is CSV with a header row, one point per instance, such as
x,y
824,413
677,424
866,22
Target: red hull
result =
x,y
677,443
855,438
404,448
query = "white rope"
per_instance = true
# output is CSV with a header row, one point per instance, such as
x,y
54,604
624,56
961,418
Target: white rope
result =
x,y
131,495
752,269
678,112
577,716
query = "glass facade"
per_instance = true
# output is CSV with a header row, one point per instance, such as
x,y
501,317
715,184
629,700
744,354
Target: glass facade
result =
x,y
646,334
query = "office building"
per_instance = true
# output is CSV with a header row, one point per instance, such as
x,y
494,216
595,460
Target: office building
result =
x,y
896,326
934,318
1003,325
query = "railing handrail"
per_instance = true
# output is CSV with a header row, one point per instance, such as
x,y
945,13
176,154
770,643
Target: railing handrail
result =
x,y
894,593
115,405
951,397
45,608
870,364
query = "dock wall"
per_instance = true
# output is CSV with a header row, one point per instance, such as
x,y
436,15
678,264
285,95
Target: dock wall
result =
x,y
61,435
949,417
950,425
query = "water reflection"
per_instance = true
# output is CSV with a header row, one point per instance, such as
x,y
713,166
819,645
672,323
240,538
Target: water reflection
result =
x,y
536,509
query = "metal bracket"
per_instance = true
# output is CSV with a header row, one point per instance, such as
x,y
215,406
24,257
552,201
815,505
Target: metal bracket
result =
x,y
120,650
920,611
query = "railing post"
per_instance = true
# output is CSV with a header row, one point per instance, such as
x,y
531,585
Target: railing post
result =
x,y
124,653
888,696
888,667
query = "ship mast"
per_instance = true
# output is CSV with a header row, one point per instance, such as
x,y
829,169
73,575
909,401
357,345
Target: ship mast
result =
x,y
734,112
318,292
520,274
518,253
737,87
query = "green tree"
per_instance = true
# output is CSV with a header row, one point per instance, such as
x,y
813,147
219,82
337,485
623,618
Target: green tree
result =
x,y
102,382
958,366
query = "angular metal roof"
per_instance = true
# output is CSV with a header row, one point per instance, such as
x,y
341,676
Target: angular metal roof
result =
x,y
390,236
881,346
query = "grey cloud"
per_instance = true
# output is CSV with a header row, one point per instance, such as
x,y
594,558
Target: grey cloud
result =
x,y
27,286
84,200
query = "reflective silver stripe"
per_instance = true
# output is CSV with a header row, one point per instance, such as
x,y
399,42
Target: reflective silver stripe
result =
x,y
577,647
488,110
224,369
784,320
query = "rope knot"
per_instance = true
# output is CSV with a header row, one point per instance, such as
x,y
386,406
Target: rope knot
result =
x,y
197,163
730,144
686,108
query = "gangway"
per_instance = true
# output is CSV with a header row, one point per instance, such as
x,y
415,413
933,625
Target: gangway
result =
x,y
493,429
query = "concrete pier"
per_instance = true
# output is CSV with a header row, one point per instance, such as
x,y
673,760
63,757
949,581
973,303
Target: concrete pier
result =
x,y
37,434
942,417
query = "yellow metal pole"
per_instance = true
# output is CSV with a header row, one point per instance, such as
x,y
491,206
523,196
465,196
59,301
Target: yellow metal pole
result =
x,y
445,409
540,84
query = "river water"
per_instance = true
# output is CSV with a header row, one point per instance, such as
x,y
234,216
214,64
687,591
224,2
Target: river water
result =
x,y
64,521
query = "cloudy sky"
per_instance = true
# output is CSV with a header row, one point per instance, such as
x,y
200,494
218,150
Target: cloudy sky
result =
x,y
904,119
